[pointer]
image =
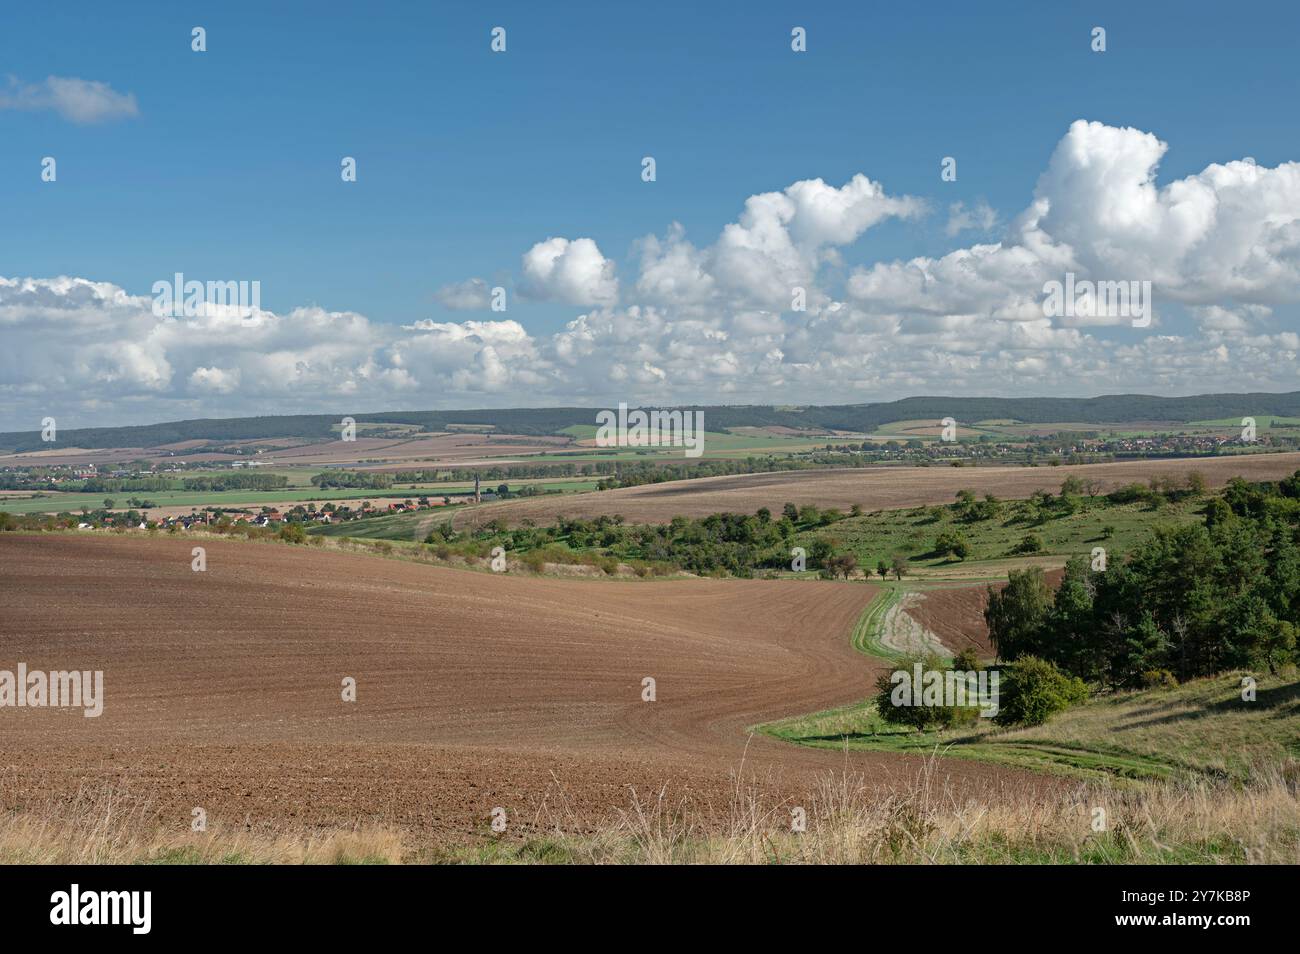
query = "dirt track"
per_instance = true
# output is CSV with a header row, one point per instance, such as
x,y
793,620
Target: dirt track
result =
x,y
473,690
877,488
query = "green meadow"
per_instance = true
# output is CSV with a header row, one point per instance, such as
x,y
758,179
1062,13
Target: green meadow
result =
x,y
878,536
1202,728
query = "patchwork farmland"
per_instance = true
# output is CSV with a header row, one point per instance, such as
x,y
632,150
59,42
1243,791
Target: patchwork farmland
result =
x,y
876,488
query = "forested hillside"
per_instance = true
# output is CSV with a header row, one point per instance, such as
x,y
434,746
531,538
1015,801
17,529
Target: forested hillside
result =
x,y
1117,408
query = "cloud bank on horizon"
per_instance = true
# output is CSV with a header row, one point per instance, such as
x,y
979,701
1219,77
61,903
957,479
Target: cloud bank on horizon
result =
x,y
716,323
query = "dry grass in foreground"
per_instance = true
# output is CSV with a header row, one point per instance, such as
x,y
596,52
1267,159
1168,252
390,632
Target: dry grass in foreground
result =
x,y
1159,823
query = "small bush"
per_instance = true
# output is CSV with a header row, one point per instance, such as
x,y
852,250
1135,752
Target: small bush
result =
x,y
1159,679
1033,690
895,708
1129,493
293,533
952,545
1032,543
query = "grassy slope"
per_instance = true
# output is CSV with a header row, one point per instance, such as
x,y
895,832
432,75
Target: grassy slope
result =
x,y
1200,729
397,527
877,536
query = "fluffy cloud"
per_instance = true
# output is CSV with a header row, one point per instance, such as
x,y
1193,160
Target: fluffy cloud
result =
x,y
1229,234
77,100
777,245
714,323
572,272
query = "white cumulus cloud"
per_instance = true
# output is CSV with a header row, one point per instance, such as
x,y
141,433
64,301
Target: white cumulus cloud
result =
x,y
573,272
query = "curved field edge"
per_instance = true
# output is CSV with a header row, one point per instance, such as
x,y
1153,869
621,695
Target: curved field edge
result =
x,y
1199,729
868,635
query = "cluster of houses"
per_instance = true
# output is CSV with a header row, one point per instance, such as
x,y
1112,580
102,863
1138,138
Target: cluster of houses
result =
x,y
329,513
203,519
271,518
1182,444
1164,444
183,522
59,474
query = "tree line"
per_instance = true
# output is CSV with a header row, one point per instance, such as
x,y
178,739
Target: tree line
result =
x,y
1191,601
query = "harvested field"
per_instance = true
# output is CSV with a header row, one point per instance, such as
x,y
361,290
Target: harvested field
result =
x,y
474,690
875,488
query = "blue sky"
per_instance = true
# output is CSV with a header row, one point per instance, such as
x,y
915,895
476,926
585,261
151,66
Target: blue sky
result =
x,y
466,158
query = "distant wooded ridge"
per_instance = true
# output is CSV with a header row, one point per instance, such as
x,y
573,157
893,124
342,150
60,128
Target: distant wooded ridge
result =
x,y
1113,409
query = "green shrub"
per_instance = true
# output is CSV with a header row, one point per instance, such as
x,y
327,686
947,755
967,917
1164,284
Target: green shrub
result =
x,y
1033,690
293,533
1159,679
920,717
1032,543
1129,493
952,544
819,551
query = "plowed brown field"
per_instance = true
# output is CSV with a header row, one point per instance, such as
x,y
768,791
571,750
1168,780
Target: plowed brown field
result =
x,y
875,488
473,690
956,613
